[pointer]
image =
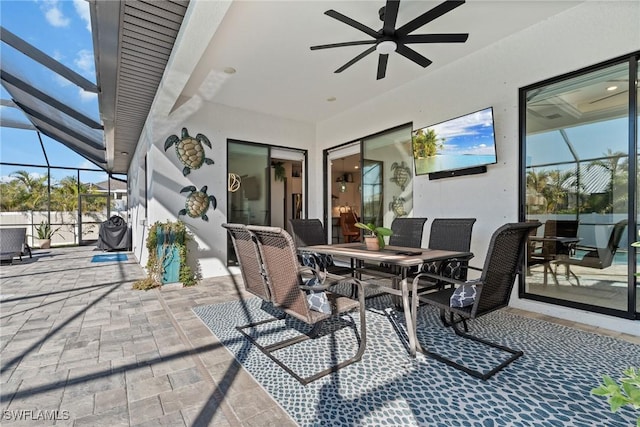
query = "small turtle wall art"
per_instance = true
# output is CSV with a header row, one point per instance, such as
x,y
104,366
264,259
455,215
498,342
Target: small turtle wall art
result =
x,y
197,203
397,207
401,174
189,150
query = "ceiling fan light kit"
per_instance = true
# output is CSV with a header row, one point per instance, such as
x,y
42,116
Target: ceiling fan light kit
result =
x,y
390,39
386,47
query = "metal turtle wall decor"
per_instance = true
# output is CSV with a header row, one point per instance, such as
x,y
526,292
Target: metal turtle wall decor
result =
x,y
189,150
401,174
397,206
197,203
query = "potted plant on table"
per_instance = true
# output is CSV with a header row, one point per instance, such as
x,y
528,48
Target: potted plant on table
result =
x,y
45,233
375,237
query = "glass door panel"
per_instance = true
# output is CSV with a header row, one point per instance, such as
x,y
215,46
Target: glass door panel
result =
x,y
387,191
577,172
249,203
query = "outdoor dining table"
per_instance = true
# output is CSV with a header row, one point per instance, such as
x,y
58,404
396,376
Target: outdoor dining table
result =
x,y
403,258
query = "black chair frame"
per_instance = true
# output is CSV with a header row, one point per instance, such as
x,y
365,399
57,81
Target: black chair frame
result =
x,y
493,289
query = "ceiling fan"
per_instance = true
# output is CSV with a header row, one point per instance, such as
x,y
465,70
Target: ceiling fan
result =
x,y
391,39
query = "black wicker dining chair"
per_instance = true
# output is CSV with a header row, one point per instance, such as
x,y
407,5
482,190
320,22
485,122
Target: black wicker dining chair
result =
x,y
596,257
449,234
310,232
407,232
475,298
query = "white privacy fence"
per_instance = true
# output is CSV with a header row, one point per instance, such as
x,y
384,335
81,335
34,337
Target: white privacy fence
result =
x,y
66,224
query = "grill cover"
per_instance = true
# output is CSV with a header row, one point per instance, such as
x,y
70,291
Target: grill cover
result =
x,y
113,234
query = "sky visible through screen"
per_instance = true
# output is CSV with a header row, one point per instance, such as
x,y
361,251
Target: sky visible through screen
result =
x,y
62,30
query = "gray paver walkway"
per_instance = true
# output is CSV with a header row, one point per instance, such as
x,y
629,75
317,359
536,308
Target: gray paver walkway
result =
x,y
78,344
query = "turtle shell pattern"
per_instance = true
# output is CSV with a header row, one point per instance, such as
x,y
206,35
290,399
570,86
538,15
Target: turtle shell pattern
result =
x,y
197,202
190,152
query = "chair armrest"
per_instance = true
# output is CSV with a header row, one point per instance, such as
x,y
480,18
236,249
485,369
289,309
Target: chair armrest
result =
x,y
436,277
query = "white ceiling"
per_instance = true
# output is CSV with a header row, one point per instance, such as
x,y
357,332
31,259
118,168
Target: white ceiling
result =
x,y
268,42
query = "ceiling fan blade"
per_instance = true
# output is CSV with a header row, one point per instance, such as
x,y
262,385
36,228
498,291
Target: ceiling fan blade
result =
x,y
428,16
355,24
356,59
411,54
435,38
390,17
327,46
382,66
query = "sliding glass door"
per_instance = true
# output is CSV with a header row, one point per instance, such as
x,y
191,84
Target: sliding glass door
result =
x,y
370,177
580,181
266,186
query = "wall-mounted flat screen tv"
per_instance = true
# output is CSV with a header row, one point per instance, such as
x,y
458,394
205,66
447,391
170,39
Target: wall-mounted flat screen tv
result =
x,y
462,143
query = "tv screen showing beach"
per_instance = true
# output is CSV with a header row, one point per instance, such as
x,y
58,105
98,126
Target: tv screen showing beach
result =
x,y
461,143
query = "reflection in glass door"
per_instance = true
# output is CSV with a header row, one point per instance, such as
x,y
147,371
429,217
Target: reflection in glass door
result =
x,y
249,202
387,172
577,163
265,186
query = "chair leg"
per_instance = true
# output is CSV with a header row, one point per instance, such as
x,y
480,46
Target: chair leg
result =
x,y
268,350
515,354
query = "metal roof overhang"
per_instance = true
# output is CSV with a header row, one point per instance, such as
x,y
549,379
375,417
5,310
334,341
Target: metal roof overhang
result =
x,y
132,43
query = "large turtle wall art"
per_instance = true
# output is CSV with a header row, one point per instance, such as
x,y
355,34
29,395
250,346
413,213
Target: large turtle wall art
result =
x,y
189,150
197,202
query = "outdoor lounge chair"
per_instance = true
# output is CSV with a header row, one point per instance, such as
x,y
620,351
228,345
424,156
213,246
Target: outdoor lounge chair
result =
x,y
13,243
249,260
596,257
310,232
288,291
481,296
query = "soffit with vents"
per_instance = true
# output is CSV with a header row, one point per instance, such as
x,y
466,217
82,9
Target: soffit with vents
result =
x,y
133,41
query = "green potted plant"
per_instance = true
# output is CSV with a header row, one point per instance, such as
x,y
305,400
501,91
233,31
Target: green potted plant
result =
x,y
45,233
625,393
375,237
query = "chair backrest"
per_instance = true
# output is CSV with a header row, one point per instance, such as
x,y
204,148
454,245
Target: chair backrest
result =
x,y
501,266
349,229
12,240
249,260
407,232
451,234
278,254
308,232
558,228
603,257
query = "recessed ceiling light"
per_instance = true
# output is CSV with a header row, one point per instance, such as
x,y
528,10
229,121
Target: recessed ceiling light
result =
x,y
331,99
356,167
124,153
610,88
229,70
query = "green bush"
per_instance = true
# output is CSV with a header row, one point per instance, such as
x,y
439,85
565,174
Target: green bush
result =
x,y
625,393
154,264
